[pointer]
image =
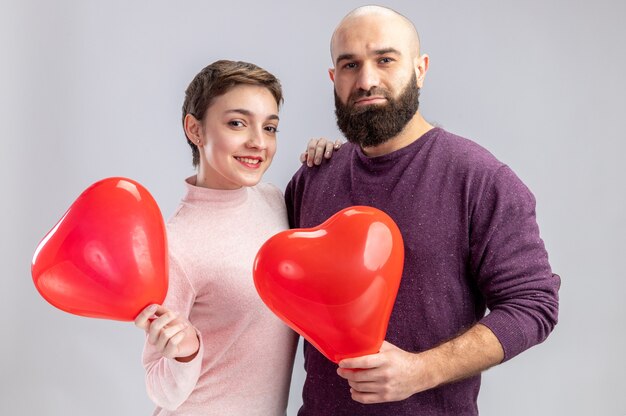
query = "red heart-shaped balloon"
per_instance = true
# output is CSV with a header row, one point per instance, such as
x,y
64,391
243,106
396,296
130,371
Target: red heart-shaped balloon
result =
x,y
335,284
107,256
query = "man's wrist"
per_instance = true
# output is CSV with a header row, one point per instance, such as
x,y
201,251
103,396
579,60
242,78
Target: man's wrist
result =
x,y
427,370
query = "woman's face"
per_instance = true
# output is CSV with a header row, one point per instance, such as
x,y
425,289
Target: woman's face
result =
x,y
237,138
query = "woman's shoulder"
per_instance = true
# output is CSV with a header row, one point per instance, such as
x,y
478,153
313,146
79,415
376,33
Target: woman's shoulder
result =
x,y
270,194
266,187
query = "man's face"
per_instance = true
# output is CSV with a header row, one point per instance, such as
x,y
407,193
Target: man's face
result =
x,y
374,124
376,86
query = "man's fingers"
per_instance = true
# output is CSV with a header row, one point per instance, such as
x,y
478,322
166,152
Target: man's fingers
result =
x,y
365,398
360,376
366,361
364,387
350,375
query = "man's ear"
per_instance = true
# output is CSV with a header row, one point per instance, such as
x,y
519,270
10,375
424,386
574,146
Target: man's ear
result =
x,y
193,129
421,67
331,74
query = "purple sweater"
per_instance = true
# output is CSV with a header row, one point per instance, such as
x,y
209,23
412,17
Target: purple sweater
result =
x,y
471,244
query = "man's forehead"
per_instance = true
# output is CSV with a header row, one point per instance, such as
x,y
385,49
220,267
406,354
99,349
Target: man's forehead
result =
x,y
371,44
367,34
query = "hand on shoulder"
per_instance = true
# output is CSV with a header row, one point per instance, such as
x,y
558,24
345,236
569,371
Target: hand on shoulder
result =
x,y
319,149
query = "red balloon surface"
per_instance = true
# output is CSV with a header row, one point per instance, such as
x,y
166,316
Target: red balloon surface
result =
x,y
335,284
107,256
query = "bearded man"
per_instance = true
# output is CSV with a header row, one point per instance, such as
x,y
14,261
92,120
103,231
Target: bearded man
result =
x,y
471,238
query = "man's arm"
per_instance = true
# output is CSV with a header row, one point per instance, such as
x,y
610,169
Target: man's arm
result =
x,y
509,263
394,374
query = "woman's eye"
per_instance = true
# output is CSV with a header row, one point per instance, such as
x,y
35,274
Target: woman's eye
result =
x,y
236,123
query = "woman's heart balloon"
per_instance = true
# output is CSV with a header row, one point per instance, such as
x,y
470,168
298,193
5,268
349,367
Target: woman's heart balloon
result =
x,y
335,284
107,256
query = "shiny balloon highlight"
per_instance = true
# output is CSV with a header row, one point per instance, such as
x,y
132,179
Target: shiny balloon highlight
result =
x,y
335,284
107,256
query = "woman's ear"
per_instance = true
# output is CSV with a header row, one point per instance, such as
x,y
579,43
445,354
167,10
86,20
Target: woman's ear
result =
x,y
193,129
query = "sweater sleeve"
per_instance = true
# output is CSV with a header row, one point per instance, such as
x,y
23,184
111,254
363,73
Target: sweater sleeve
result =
x,y
169,382
290,203
510,263
294,194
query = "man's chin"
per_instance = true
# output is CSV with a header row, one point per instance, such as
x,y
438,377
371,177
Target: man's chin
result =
x,y
367,142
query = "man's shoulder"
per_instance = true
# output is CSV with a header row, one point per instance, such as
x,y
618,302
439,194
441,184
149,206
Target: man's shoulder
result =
x,y
464,153
339,161
472,163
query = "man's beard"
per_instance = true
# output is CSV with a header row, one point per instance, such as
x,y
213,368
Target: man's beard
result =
x,y
375,124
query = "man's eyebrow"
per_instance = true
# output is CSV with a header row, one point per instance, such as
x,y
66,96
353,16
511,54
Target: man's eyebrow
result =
x,y
385,51
344,57
249,113
377,52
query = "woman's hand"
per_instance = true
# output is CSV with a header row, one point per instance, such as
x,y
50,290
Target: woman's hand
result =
x,y
172,335
318,148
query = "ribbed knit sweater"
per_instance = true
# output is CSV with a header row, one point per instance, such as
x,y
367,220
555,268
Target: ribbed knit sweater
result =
x,y
471,243
246,353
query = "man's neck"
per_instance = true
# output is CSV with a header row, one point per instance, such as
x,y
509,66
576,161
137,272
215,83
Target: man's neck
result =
x,y
411,132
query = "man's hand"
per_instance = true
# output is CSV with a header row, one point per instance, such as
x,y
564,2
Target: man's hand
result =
x,y
394,374
391,375
318,148
172,335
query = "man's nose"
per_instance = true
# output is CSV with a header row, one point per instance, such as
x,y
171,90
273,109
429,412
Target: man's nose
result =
x,y
368,77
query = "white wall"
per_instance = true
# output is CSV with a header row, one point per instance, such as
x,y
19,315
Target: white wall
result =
x,y
91,89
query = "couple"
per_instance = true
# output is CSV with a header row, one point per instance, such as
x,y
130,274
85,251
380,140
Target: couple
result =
x,y
468,224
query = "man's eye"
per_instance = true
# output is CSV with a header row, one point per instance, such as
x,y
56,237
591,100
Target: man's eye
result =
x,y
350,65
271,129
386,60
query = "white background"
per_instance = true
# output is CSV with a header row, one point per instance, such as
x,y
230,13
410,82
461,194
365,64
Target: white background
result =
x,y
91,89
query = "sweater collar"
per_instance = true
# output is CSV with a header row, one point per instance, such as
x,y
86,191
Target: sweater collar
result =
x,y
383,162
220,196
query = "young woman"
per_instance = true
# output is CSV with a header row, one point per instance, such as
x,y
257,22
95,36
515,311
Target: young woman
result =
x,y
213,347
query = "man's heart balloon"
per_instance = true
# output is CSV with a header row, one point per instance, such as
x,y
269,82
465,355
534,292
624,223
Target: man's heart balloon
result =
x,y
107,256
335,284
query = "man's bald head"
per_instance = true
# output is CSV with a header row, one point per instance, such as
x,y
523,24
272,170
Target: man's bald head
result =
x,y
376,16
377,75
